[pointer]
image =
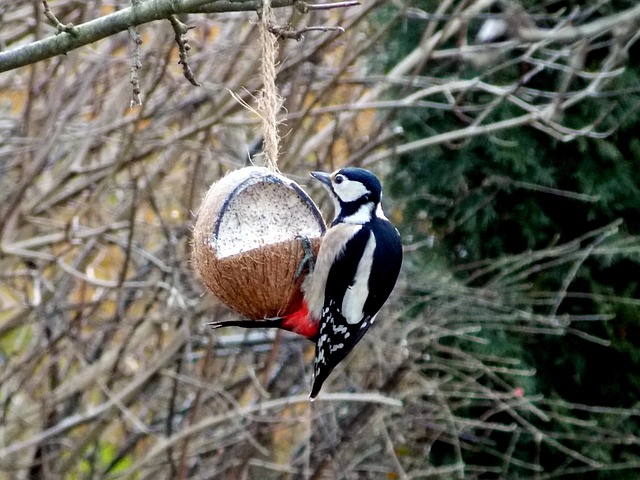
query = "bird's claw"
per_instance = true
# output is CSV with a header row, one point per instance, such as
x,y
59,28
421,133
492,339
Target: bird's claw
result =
x,y
309,259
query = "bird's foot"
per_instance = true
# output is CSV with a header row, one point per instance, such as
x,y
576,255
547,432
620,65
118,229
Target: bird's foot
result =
x,y
309,260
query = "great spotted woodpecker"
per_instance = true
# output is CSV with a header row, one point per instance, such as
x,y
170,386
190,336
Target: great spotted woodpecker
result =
x,y
356,269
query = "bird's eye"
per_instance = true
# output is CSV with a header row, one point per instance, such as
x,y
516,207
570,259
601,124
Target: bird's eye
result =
x,y
338,179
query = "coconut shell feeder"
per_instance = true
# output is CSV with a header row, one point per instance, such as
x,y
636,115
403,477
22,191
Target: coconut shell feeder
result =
x,y
246,246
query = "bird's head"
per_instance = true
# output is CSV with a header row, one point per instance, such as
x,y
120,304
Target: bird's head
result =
x,y
356,194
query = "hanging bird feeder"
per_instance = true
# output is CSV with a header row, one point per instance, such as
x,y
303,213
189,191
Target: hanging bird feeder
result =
x,y
247,246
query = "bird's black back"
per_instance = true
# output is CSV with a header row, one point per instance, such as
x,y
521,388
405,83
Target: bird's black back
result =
x,y
387,260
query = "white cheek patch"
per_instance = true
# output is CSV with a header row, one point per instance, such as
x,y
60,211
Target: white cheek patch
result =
x,y
348,191
357,294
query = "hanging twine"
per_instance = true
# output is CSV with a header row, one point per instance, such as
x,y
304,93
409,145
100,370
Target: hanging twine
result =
x,y
269,102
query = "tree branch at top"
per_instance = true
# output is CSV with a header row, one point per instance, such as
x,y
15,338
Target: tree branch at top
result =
x,y
70,38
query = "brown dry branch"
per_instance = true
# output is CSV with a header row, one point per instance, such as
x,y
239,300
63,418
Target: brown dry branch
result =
x,y
287,32
181,30
106,364
136,99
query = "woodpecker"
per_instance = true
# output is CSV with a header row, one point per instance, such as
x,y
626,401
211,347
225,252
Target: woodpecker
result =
x,y
355,271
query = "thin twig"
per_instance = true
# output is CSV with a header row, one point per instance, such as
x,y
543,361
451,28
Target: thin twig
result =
x,y
180,30
61,27
287,33
136,99
325,6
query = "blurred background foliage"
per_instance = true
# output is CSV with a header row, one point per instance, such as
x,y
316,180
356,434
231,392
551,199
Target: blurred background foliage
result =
x,y
510,347
521,191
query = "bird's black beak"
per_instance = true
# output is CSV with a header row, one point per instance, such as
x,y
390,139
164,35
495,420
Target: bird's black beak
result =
x,y
322,177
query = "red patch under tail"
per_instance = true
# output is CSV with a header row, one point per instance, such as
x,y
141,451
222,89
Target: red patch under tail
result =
x,y
300,322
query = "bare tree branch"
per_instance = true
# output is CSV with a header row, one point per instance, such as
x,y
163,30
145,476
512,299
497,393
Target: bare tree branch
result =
x,y
623,21
120,21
